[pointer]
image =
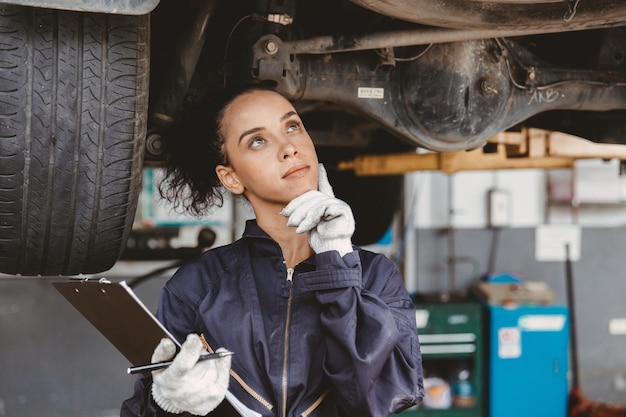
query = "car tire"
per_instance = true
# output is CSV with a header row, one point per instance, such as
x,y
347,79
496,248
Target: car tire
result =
x,y
73,107
374,201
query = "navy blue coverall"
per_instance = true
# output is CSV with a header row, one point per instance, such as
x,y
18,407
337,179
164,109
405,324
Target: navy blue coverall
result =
x,y
331,337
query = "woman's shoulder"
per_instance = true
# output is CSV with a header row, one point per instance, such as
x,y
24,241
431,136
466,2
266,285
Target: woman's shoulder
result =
x,y
227,253
208,266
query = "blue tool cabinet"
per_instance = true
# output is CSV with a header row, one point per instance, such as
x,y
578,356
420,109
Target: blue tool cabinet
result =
x,y
527,360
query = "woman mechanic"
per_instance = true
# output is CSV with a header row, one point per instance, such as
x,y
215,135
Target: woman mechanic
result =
x,y
318,327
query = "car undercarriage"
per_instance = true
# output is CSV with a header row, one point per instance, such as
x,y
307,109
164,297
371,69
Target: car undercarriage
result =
x,y
91,92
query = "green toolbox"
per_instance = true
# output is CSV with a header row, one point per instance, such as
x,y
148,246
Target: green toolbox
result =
x,y
451,340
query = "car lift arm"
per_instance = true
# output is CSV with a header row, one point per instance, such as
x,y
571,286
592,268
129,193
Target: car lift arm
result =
x,y
529,148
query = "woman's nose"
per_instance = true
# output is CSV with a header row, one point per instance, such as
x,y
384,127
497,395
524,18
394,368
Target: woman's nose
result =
x,y
288,149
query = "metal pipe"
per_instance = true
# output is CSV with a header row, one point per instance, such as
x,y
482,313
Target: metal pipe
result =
x,y
173,95
347,43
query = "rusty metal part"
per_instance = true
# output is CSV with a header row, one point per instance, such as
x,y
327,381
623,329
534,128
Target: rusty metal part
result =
x,y
425,36
172,95
481,14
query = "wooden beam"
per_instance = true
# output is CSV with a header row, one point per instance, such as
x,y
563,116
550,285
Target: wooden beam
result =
x,y
527,149
448,162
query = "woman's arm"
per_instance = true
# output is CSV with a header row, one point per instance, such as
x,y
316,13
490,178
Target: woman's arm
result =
x,y
373,356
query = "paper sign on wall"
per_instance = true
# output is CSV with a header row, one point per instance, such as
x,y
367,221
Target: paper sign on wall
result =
x,y
551,242
509,343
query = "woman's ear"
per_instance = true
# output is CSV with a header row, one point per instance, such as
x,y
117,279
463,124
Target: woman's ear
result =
x,y
229,179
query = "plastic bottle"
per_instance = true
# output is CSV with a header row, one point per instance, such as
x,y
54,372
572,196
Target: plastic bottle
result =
x,y
463,387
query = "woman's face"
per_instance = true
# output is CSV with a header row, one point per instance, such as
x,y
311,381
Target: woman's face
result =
x,y
272,157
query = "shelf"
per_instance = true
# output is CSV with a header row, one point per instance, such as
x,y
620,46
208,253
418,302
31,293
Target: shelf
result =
x,y
447,412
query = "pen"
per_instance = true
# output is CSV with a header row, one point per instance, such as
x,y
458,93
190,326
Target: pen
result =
x,y
161,365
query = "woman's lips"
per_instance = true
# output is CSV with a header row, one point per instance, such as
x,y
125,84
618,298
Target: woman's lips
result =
x,y
296,172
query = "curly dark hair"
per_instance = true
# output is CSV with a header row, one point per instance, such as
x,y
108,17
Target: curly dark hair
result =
x,y
190,182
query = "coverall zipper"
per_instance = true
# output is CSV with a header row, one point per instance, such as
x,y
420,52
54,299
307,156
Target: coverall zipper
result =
x,y
286,341
316,404
243,384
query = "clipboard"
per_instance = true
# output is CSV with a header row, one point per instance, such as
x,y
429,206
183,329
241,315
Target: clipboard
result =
x,y
115,310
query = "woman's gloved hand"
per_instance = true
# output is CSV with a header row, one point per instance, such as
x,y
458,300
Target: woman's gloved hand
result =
x,y
189,385
328,220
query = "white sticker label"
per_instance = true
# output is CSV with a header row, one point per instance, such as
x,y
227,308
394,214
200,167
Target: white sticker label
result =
x,y
458,319
371,92
542,323
509,343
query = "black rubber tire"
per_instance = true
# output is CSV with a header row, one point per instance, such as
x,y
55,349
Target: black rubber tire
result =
x,y
374,201
73,108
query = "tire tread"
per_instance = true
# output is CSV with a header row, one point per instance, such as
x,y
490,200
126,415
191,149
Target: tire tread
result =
x,y
75,166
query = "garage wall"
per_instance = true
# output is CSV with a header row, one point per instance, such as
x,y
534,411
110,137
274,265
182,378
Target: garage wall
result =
x,y
599,286
450,219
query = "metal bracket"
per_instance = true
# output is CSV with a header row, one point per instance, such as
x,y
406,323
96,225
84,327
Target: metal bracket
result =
x,y
272,60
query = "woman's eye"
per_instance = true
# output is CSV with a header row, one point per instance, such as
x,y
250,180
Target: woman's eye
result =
x,y
292,127
257,141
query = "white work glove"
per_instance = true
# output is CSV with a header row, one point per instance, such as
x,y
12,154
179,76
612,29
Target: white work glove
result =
x,y
189,385
328,220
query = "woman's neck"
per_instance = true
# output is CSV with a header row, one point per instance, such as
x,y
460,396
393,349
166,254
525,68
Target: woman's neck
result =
x,y
295,246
